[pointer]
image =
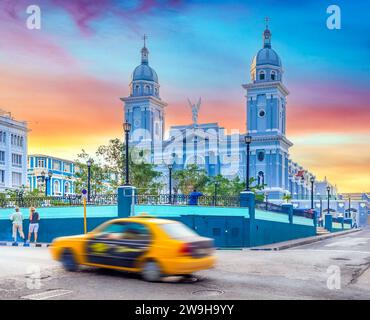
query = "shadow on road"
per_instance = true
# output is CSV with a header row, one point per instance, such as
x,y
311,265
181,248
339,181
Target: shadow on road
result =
x,y
131,275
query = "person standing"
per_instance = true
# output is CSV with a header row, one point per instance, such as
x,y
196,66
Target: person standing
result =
x,y
34,224
17,225
193,197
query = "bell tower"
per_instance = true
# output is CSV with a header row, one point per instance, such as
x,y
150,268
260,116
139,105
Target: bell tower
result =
x,y
144,108
266,120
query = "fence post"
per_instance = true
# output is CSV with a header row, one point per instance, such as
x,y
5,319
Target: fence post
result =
x,y
126,201
288,208
248,199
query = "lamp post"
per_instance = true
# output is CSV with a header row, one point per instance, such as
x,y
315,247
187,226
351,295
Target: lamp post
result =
x,y
170,167
303,195
312,180
127,129
248,140
328,190
215,194
349,207
266,200
50,174
43,175
88,179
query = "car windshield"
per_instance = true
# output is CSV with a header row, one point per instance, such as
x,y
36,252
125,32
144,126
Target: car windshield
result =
x,y
178,230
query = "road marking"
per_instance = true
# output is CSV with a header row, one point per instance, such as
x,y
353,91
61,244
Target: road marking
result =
x,y
348,242
47,294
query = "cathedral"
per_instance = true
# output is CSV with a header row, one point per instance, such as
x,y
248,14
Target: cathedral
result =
x,y
207,145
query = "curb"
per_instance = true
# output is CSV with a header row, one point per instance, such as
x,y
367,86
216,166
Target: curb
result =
x,y
21,244
285,245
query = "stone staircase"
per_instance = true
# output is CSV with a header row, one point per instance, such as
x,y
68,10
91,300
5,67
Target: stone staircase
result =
x,y
321,231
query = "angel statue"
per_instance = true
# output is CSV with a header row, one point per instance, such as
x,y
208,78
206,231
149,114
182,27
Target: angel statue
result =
x,y
195,110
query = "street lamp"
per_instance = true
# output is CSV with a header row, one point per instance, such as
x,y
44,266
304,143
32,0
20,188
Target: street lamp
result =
x,y
89,162
170,167
349,207
50,174
312,180
328,190
43,175
127,129
302,181
215,193
248,140
266,199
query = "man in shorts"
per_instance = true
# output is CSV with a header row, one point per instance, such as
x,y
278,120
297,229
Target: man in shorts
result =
x,y
34,224
17,224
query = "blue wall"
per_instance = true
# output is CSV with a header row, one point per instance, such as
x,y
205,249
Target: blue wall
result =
x,y
229,227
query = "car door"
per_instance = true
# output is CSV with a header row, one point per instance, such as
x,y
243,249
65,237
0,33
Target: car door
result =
x,y
119,244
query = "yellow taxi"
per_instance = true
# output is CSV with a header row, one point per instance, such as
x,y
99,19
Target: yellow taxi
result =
x,y
151,246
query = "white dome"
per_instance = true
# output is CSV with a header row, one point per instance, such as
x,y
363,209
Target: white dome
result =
x,y
144,72
267,56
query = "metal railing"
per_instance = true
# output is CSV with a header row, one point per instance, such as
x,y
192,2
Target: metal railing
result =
x,y
56,201
181,199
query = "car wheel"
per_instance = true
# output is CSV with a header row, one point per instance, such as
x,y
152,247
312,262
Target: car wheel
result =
x,y
68,261
151,271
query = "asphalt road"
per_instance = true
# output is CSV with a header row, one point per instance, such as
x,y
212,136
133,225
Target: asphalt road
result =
x,y
337,268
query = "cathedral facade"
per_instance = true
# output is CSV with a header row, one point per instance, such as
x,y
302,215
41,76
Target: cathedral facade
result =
x,y
207,145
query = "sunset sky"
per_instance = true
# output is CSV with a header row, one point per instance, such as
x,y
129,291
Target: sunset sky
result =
x,y
66,79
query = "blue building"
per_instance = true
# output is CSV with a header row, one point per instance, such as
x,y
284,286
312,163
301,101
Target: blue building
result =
x,y
207,145
58,175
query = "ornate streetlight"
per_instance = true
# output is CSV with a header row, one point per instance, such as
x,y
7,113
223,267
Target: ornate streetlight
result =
x,y
170,167
127,129
312,180
247,140
89,163
50,174
349,207
328,190
43,175
215,193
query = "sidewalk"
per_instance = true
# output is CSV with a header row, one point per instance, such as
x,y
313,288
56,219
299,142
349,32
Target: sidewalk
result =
x,y
22,244
300,242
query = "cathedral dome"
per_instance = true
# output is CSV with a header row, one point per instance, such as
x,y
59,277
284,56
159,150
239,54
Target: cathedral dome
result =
x,y
144,72
267,56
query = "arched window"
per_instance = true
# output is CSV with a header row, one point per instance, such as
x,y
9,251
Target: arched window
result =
x,y
273,75
261,155
262,75
137,87
261,178
67,188
146,89
56,187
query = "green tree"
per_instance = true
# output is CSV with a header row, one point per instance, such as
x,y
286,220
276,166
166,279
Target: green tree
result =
x,y
192,177
98,174
107,170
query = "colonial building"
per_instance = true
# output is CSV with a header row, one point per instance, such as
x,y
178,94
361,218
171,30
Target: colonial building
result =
x,y
207,145
13,152
55,174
